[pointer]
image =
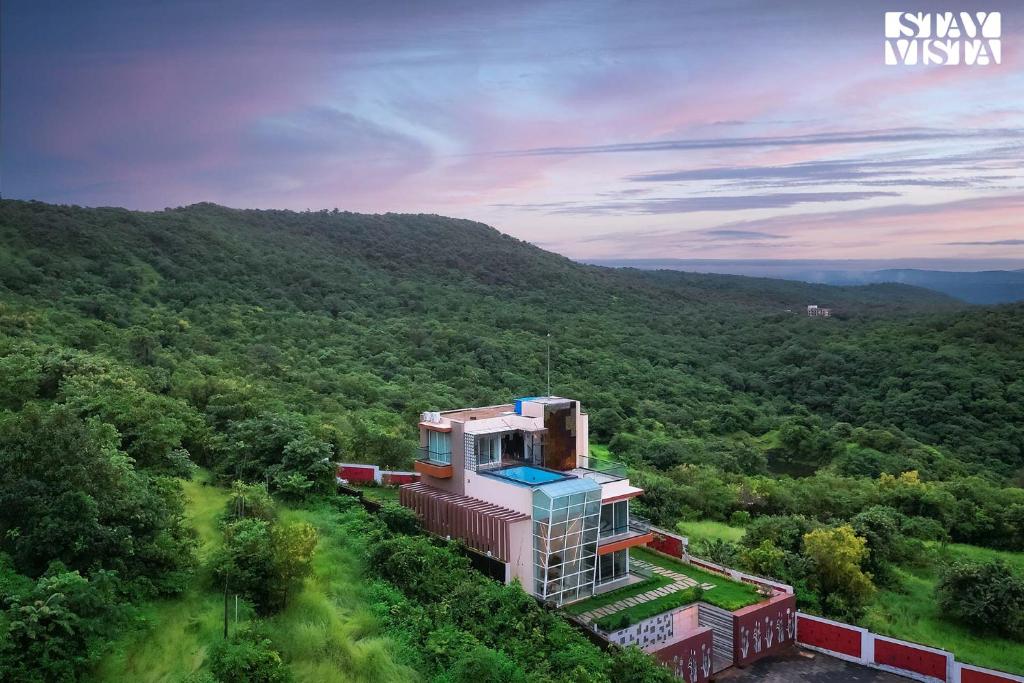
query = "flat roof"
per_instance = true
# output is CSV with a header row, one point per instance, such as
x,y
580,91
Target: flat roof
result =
x,y
466,414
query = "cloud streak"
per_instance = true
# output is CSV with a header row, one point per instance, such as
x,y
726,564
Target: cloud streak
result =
x,y
855,137
671,205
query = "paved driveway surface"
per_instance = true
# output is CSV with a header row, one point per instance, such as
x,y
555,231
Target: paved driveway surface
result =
x,y
804,666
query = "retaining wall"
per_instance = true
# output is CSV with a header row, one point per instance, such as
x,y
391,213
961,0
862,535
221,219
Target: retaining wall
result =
x,y
690,658
764,629
360,473
911,660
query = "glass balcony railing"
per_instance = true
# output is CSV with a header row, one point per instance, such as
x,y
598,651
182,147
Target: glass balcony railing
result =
x,y
635,526
639,524
609,468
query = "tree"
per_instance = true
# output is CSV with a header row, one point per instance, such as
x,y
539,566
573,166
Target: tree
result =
x,y
264,560
69,494
988,596
880,527
57,628
766,560
717,550
837,554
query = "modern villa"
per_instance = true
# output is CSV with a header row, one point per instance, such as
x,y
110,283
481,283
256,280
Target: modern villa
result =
x,y
517,483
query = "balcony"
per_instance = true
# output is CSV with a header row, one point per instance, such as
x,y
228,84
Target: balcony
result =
x,y
434,464
600,470
636,532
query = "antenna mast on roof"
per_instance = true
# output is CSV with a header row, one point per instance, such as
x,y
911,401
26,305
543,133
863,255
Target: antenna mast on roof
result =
x,y
549,363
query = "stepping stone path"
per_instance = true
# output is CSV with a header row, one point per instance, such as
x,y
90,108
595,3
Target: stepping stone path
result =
x,y
679,582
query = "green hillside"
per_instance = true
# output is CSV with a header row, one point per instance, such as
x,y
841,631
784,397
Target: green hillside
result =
x,y
263,344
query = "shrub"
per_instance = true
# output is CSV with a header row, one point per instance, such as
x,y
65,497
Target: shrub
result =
x,y
634,665
739,518
983,595
484,665
248,657
399,519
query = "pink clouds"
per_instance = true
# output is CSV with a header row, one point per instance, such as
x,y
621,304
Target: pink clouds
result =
x,y
449,108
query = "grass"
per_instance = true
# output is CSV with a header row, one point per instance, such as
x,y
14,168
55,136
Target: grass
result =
x,y
177,633
380,494
326,633
611,597
707,530
646,610
727,594
912,613
973,553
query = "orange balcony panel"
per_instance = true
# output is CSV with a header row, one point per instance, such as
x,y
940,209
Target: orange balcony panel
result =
x,y
433,469
629,542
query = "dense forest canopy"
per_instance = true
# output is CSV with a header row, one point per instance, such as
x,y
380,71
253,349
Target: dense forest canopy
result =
x,y
266,344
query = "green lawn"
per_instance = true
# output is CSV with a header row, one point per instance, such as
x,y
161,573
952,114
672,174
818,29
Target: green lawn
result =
x,y
604,599
646,610
327,632
727,594
913,614
707,530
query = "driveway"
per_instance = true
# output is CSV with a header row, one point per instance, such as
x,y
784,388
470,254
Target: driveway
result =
x,y
807,666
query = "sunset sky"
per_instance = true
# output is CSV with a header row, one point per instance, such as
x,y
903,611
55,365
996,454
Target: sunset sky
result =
x,y
718,129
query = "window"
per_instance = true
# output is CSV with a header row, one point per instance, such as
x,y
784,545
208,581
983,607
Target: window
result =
x,y
439,447
613,566
490,450
615,518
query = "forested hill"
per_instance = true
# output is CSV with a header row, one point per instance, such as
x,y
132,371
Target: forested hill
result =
x,y
264,345
312,261
334,316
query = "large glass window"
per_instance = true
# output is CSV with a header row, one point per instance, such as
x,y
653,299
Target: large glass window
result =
x,y
490,450
613,566
439,446
615,518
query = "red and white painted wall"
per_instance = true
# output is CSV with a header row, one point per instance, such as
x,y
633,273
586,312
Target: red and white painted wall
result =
x,y
360,474
690,658
834,638
764,629
911,660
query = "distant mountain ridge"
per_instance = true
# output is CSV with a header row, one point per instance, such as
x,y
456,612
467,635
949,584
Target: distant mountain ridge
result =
x,y
976,287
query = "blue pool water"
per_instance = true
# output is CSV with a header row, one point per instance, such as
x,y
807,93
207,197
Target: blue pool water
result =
x,y
529,475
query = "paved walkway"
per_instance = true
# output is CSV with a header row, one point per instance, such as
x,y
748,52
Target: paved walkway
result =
x,y
797,665
679,582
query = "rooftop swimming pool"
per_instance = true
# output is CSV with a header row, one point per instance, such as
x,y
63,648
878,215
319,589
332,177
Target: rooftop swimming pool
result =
x,y
531,476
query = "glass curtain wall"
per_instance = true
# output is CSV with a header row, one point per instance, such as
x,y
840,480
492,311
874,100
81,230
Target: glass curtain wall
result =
x,y
566,519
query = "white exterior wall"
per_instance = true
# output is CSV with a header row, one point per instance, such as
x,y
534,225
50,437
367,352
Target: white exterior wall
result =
x,y
498,492
582,433
622,487
520,553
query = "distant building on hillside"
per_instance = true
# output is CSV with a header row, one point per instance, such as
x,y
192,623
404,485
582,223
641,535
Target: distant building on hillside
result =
x,y
517,483
813,311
